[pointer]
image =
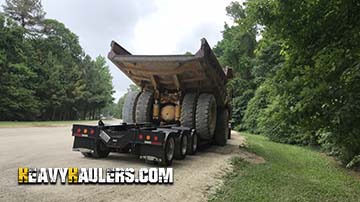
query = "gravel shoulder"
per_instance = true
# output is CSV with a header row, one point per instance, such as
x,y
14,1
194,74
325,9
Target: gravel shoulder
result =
x,y
194,178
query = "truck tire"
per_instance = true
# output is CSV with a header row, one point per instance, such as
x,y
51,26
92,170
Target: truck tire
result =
x,y
188,108
169,151
128,110
206,116
101,150
222,128
86,154
192,143
181,145
144,107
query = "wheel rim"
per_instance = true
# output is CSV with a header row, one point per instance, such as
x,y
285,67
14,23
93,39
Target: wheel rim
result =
x,y
194,145
184,145
170,149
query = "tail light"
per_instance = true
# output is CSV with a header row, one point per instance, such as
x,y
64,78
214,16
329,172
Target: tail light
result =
x,y
141,137
78,131
92,131
156,138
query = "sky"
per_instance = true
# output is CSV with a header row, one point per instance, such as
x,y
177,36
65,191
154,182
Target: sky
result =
x,y
141,26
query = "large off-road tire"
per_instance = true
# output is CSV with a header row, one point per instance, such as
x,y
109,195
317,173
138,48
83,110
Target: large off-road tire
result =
x,y
206,116
222,127
101,150
188,108
129,107
169,152
181,145
144,107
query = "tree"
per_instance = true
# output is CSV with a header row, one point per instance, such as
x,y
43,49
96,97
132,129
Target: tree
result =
x,y
28,13
237,50
48,77
17,100
316,89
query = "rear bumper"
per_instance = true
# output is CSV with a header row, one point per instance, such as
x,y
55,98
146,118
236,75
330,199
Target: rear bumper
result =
x,y
84,144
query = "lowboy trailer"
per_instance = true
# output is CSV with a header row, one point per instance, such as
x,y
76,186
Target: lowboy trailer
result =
x,y
155,144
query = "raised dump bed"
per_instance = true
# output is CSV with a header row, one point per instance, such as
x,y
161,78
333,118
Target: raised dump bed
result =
x,y
199,73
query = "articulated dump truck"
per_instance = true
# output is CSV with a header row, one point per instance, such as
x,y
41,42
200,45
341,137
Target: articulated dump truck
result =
x,y
183,103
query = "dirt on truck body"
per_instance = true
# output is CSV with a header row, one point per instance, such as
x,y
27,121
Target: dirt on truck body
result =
x,y
183,102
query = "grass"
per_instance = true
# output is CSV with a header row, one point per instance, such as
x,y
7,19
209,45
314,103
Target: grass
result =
x,y
13,124
291,173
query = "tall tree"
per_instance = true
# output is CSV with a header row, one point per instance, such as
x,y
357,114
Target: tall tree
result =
x,y
28,13
317,88
47,76
236,50
17,100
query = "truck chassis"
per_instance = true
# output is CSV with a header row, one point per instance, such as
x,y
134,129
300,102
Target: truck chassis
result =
x,y
152,143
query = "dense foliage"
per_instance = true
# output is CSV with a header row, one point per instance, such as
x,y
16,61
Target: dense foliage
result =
x,y
44,73
304,81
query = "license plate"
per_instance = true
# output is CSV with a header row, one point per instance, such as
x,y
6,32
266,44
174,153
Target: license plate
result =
x,y
104,136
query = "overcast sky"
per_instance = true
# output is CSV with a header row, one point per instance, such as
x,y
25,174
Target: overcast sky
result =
x,y
141,26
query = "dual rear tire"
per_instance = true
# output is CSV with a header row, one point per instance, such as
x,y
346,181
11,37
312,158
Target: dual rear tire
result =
x,y
169,151
181,146
201,113
138,107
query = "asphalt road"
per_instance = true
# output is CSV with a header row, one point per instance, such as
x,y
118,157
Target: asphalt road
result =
x,y
194,178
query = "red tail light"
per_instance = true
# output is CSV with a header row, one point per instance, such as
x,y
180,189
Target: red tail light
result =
x,y
92,131
78,130
156,138
141,137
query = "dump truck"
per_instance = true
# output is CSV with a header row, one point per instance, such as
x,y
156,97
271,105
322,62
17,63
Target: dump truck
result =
x,y
183,103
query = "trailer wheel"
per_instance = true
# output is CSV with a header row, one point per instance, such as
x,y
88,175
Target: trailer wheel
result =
x,y
144,107
181,145
86,154
188,108
101,150
192,144
206,116
128,111
169,151
222,128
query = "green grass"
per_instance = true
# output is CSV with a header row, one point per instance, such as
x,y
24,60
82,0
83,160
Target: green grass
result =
x,y
13,124
291,173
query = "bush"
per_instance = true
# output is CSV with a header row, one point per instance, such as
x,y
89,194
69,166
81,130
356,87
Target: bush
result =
x,y
255,107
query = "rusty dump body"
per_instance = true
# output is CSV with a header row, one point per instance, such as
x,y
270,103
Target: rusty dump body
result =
x,y
200,73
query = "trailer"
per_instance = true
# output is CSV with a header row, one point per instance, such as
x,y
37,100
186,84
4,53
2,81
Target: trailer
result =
x,y
183,102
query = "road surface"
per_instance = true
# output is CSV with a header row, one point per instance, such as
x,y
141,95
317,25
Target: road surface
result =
x,y
36,147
